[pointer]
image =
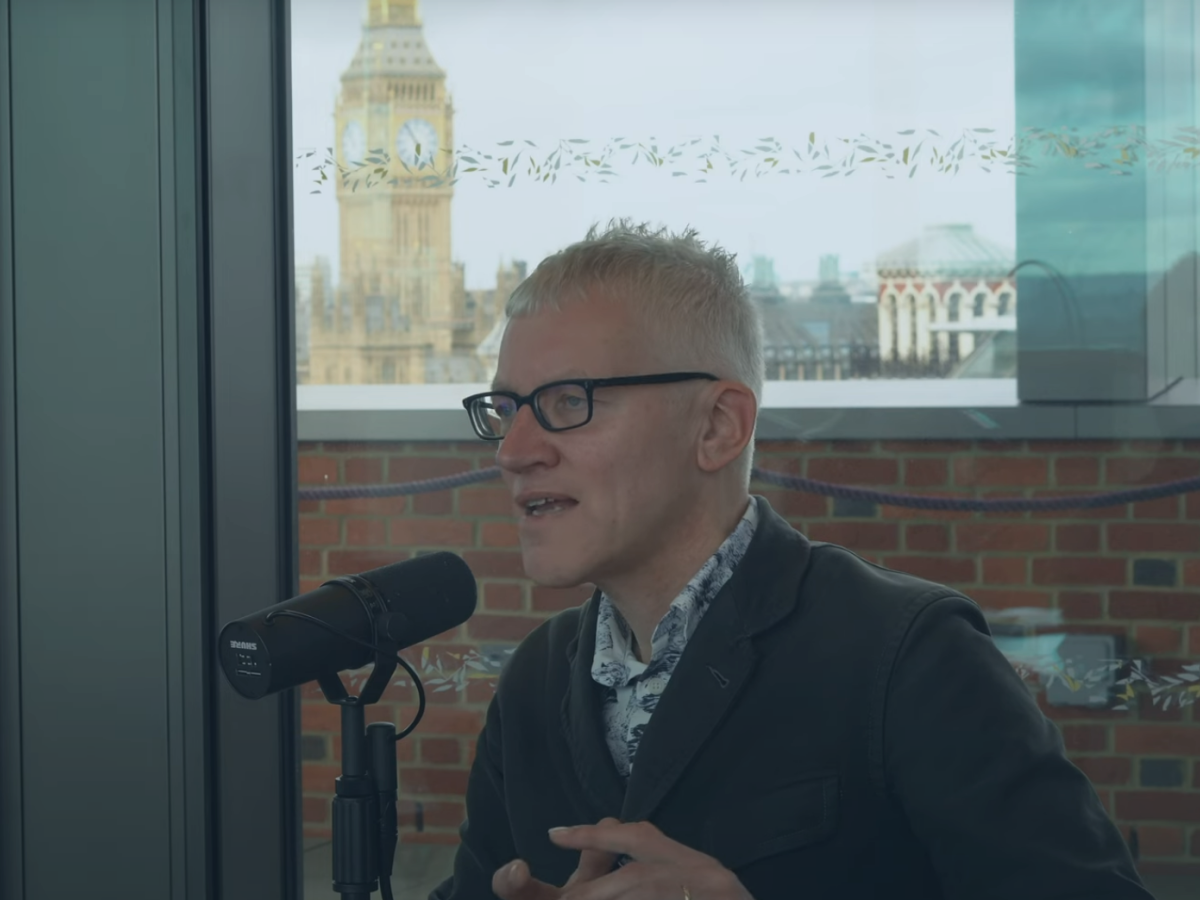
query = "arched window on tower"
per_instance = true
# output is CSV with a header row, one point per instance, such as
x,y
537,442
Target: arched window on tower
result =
x,y
980,299
1002,308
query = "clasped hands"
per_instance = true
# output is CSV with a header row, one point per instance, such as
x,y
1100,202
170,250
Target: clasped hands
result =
x,y
661,869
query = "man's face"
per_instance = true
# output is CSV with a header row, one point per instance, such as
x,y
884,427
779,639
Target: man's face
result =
x,y
619,483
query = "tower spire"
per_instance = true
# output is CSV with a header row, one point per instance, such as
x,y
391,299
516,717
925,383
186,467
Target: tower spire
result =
x,y
392,12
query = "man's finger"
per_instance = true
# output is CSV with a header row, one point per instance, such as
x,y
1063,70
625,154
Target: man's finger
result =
x,y
640,840
514,882
593,864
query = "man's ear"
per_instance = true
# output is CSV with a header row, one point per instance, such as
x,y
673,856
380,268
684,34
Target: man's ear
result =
x,y
728,427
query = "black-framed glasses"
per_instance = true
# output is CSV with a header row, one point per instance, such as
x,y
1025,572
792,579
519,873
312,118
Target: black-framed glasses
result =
x,y
558,406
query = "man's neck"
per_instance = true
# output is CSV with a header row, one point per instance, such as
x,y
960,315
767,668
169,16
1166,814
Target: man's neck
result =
x,y
644,602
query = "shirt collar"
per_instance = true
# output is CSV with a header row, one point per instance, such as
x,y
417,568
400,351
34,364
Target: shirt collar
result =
x,y
614,663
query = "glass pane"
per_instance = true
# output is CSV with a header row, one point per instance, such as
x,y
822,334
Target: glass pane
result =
x,y
880,171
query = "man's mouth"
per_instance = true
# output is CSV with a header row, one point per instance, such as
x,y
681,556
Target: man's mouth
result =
x,y
548,506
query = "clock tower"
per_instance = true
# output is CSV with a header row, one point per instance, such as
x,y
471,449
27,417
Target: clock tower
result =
x,y
399,304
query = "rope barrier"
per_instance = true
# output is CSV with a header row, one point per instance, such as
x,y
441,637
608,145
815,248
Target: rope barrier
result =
x,y
807,485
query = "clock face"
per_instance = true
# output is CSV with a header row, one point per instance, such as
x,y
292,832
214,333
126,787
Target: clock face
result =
x,y
416,143
354,143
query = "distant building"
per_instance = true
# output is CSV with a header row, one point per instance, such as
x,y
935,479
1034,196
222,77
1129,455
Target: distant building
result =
x,y
314,283
399,311
825,337
942,296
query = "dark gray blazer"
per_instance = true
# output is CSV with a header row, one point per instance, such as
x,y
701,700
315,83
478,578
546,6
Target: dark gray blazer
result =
x,y
833,730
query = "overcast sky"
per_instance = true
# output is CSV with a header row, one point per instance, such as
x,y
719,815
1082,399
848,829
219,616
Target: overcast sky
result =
x,y
679,69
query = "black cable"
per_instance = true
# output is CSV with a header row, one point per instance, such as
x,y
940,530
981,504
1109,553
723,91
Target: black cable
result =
x,y
305,617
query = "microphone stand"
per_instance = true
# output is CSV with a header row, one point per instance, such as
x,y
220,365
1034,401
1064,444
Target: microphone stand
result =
x,y
365,829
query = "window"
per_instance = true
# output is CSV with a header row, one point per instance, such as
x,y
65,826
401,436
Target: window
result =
x,y
891,307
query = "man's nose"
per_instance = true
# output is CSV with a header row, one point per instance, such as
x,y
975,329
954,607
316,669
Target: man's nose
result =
x,y
525,444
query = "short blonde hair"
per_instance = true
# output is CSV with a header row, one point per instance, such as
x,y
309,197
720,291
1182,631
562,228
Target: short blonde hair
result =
x,y
693,292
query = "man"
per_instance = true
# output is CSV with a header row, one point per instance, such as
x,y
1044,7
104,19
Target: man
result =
x,y
737,712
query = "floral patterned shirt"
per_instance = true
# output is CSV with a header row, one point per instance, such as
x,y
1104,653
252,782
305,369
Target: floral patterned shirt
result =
x,y
633,688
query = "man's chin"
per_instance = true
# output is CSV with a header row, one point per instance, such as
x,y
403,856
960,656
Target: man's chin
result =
x,y
553,574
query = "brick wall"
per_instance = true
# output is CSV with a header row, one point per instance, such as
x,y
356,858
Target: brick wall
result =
x,y
1129,570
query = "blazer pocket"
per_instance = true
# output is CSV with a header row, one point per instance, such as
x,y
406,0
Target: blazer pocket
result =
x,y
788,816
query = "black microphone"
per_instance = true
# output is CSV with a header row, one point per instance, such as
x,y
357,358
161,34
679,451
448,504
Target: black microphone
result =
x,y
298,641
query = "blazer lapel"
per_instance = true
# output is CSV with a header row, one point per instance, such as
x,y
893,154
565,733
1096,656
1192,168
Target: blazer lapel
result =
x,y
710,674
583,721
718,661
715,666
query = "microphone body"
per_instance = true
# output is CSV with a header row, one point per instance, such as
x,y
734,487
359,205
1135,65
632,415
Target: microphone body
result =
x,y
405,603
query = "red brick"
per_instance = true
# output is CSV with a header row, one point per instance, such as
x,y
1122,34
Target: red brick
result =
x,y
854,471
927,538
797,503
495,563
414,780
1073,471
318,778
414,532
1191,572
1159,639
973,537
908,512
996,598
368,506
547,599
485,501
310,562
418,468
1080,605
1149,469
1151,709
316,809
1152,446
317,470
1194,644
433,503
1196,774
1121,511
363,470
447,838
481,690
1144,537
1085,738
1162,508
486,627
1076,538
1191,507
1164,740
926,446
942,569
499,534
435,813
366,532
310,584
439,720
1088,447
1163,806
1160,840
319,717
1005,570
319,531
1105,769
351,446
926,472
441,751
1179,606
308,506
1079,570
350,562
858,535
503,596
1000,471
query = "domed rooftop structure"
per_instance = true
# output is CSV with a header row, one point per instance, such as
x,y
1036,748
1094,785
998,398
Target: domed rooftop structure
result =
x,y
947,251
